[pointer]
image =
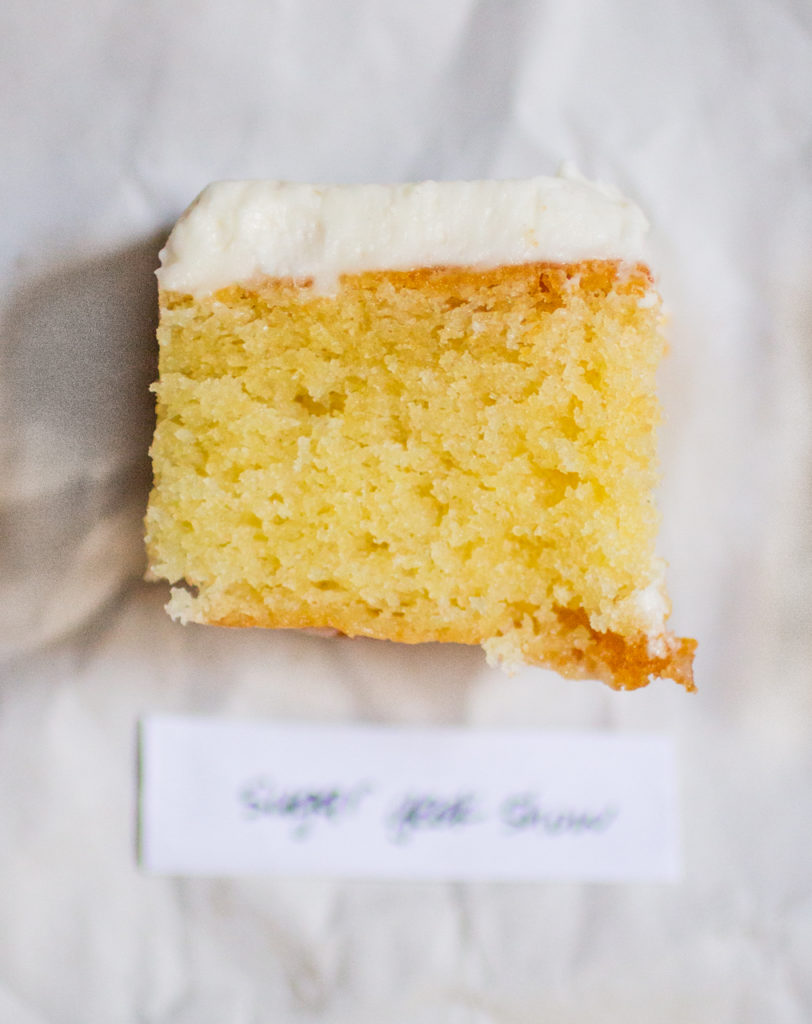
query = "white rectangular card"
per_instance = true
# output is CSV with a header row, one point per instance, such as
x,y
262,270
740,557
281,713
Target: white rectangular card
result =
x,y
225,797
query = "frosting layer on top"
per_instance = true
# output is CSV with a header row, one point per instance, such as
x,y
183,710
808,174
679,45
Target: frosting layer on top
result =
x,y
238,231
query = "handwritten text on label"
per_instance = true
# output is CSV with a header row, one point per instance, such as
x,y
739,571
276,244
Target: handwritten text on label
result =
x,y
224,797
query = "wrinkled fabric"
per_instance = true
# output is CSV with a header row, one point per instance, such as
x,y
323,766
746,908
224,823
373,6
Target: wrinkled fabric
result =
x,y
116,115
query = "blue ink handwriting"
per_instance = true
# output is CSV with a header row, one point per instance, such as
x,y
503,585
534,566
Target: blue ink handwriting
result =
x,y
525,812
302,807
416,813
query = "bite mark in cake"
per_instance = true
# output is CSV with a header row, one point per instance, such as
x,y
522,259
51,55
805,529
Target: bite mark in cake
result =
x,y
421,412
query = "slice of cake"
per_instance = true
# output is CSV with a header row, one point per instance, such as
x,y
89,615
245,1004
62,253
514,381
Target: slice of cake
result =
x,y
416,412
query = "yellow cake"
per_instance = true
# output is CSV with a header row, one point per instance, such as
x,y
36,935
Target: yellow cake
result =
x,y
416,413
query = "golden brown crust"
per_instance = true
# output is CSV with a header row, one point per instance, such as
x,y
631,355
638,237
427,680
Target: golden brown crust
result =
x,y
626,664
575,650
598,276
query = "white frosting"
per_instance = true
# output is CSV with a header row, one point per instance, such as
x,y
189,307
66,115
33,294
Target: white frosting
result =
x,y
652,606
236,231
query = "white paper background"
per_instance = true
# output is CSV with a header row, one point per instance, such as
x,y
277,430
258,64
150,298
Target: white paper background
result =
x,y
114,116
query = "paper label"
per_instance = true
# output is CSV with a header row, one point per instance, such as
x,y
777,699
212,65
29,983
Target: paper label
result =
x,y
224,797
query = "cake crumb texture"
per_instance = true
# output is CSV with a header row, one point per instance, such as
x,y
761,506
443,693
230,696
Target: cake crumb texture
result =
x,y
438,454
